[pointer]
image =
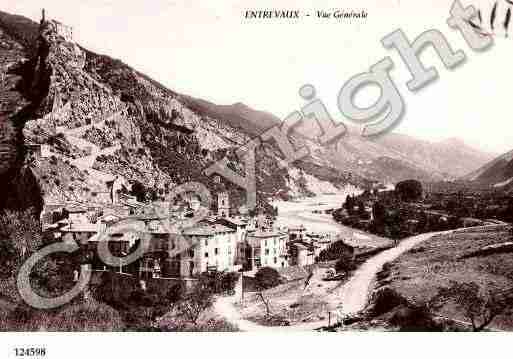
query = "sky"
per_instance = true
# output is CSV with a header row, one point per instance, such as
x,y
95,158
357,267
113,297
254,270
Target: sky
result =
x,y
209,50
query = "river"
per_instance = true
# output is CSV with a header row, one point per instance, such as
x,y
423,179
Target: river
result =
x,y
300,212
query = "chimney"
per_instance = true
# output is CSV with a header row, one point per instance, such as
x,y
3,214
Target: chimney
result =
x,y
43,16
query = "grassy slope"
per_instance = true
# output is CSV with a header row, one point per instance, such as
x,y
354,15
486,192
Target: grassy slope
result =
x,y
431,265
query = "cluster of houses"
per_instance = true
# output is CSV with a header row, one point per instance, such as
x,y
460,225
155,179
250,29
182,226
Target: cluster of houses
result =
x,y
175,247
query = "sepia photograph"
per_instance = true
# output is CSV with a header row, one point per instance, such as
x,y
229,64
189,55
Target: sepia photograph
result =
x,y
291,168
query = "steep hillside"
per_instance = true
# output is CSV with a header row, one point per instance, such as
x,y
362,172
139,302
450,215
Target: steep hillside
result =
x,y
17,93
451,158
239,116
76,120
497,173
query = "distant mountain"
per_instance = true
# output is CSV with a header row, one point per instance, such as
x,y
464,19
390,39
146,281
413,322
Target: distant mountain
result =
x,y
497,173
100,118
238,115
410,157
451,158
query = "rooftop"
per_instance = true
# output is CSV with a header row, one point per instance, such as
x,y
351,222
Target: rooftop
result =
x,y
208,230
265,234
236,221
81,227
76,209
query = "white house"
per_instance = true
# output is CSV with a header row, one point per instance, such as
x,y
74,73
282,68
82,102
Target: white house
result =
x,y
266,249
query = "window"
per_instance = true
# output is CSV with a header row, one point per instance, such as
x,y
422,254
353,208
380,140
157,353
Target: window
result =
x,y
275,260
206,242
275,241
229,250
206,254
191,253
216,251
267,252
274,250
265,243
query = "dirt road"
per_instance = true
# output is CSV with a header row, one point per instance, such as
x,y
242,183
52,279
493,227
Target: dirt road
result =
x,y
354,294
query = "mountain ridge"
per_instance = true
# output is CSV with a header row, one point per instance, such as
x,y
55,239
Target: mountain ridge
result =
x,y
96,118
143,131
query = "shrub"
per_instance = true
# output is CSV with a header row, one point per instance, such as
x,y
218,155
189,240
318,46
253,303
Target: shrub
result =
x,y
409,190
413,318
196,302
90,316
220,282
345,265
386,299
335,251
210,325
267,277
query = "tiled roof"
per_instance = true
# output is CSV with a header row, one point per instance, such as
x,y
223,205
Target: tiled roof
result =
x,y
207,230
265,234
81,227
236,221
76,209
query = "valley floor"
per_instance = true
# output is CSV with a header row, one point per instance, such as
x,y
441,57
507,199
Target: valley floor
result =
x,y
318,305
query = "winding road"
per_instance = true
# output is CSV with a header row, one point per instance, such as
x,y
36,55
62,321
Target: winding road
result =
x,y
355,293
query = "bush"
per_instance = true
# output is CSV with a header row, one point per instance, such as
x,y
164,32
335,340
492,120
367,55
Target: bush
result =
x,y
412,318
386,299
90,316
335,251
211,325
267,277
409,190
345,265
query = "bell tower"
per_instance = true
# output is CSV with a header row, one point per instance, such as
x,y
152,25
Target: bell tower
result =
x,y
223,205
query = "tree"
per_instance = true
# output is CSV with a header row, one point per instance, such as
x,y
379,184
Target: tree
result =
x,y
409,190
220,282
196,302
345,264
509,211
20,237
335,251
480,307
379,213
348,203
267,277
139,191
362,213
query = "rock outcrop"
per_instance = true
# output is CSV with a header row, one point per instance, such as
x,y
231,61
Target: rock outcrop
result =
x,y
73,120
